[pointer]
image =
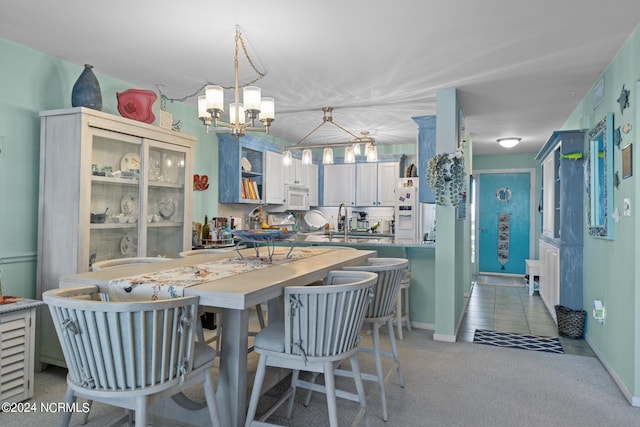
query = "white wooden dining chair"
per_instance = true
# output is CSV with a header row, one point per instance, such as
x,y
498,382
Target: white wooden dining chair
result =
x,y
185,254
117,262
129,354
321,328
216,311
381,312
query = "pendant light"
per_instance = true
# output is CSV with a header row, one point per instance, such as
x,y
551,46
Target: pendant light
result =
x,y
327,156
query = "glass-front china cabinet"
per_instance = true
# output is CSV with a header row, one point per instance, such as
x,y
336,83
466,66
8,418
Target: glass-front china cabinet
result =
x,y
110,187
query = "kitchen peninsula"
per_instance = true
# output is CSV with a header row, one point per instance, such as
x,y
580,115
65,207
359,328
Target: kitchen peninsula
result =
x,y
421,264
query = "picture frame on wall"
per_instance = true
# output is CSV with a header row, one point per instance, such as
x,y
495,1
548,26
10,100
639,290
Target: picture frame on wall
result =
x,y
627,161
598,92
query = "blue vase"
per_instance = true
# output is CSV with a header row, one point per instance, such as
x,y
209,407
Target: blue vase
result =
x,y
86,90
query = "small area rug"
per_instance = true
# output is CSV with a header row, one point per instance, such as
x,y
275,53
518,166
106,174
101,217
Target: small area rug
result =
x,y
525,342
496,280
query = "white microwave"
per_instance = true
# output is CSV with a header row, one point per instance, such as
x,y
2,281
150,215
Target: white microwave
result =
x,y
296,198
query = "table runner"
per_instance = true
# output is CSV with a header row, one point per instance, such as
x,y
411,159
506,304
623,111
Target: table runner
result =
x,y
171,283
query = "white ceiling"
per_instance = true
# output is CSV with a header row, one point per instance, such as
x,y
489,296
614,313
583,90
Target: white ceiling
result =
x,y
520,67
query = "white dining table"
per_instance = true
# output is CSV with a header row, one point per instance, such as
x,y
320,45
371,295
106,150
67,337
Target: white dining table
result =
x,y
235,295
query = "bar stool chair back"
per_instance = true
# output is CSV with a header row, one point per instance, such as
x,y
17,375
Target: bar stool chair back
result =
x,y
321,328
403,315
119,262
382,312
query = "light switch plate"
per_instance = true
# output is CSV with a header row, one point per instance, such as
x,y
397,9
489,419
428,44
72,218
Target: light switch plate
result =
x,y
3,147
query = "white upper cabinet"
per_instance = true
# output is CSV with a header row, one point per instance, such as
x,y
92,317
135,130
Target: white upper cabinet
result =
x,y
388,175
312,183
302,175
295,173
339,184
274,178
375,183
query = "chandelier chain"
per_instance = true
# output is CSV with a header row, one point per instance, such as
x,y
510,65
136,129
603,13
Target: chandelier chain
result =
x,y
259,76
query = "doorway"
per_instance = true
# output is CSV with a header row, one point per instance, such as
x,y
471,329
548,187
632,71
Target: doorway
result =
x,y
505,221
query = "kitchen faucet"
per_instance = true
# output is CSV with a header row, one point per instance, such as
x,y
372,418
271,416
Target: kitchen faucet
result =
x,y
345,222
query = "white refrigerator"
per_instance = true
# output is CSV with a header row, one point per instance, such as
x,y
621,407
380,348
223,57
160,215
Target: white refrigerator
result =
x,y
407,216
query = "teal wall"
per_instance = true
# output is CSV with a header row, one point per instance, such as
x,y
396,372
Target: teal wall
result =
x,y
452,270
611,267
30,82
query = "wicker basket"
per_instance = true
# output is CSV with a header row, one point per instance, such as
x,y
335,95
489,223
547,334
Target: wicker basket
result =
x,y
570,322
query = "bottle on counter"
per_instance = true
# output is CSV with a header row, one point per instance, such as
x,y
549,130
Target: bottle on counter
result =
x,y
226,236
195,240
206,231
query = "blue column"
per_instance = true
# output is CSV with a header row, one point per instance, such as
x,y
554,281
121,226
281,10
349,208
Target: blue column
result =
x,y
426,150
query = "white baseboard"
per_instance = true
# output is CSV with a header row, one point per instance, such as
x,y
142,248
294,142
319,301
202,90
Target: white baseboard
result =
x,y
443,337
436,337
420,325
633,400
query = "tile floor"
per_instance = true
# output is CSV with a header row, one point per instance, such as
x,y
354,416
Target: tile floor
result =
x,y
501,303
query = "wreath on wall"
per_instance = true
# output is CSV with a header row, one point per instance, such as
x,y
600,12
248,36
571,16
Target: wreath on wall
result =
x,y
446,177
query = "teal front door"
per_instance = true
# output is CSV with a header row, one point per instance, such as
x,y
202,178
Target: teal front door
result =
x,y
504,222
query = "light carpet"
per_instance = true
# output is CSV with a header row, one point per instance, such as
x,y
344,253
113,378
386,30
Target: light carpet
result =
x,y
447,384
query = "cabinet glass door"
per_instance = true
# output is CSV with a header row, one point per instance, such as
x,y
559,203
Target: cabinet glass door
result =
x,y
115,195
164,212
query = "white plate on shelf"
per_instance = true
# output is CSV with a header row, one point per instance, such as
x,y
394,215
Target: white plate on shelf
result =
x,y
129,245
129,205
130,162
246,164
315,219
166,207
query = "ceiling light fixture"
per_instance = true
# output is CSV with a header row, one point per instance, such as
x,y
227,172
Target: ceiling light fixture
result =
x,y
211,104
352,146
327,156
287,159
509,142
307,157
349,154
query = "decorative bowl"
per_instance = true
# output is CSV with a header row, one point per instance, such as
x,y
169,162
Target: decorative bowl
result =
x,y
98,218
136,104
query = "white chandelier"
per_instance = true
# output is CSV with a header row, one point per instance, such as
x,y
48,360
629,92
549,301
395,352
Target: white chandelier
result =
x,y
254,106
352,146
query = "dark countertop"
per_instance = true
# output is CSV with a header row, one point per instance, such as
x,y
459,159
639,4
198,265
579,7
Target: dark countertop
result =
x,y
353,239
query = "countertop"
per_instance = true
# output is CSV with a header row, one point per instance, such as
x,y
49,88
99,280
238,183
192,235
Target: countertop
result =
x,y
354,239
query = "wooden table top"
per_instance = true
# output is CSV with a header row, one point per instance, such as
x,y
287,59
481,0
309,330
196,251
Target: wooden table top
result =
x,y
241,291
